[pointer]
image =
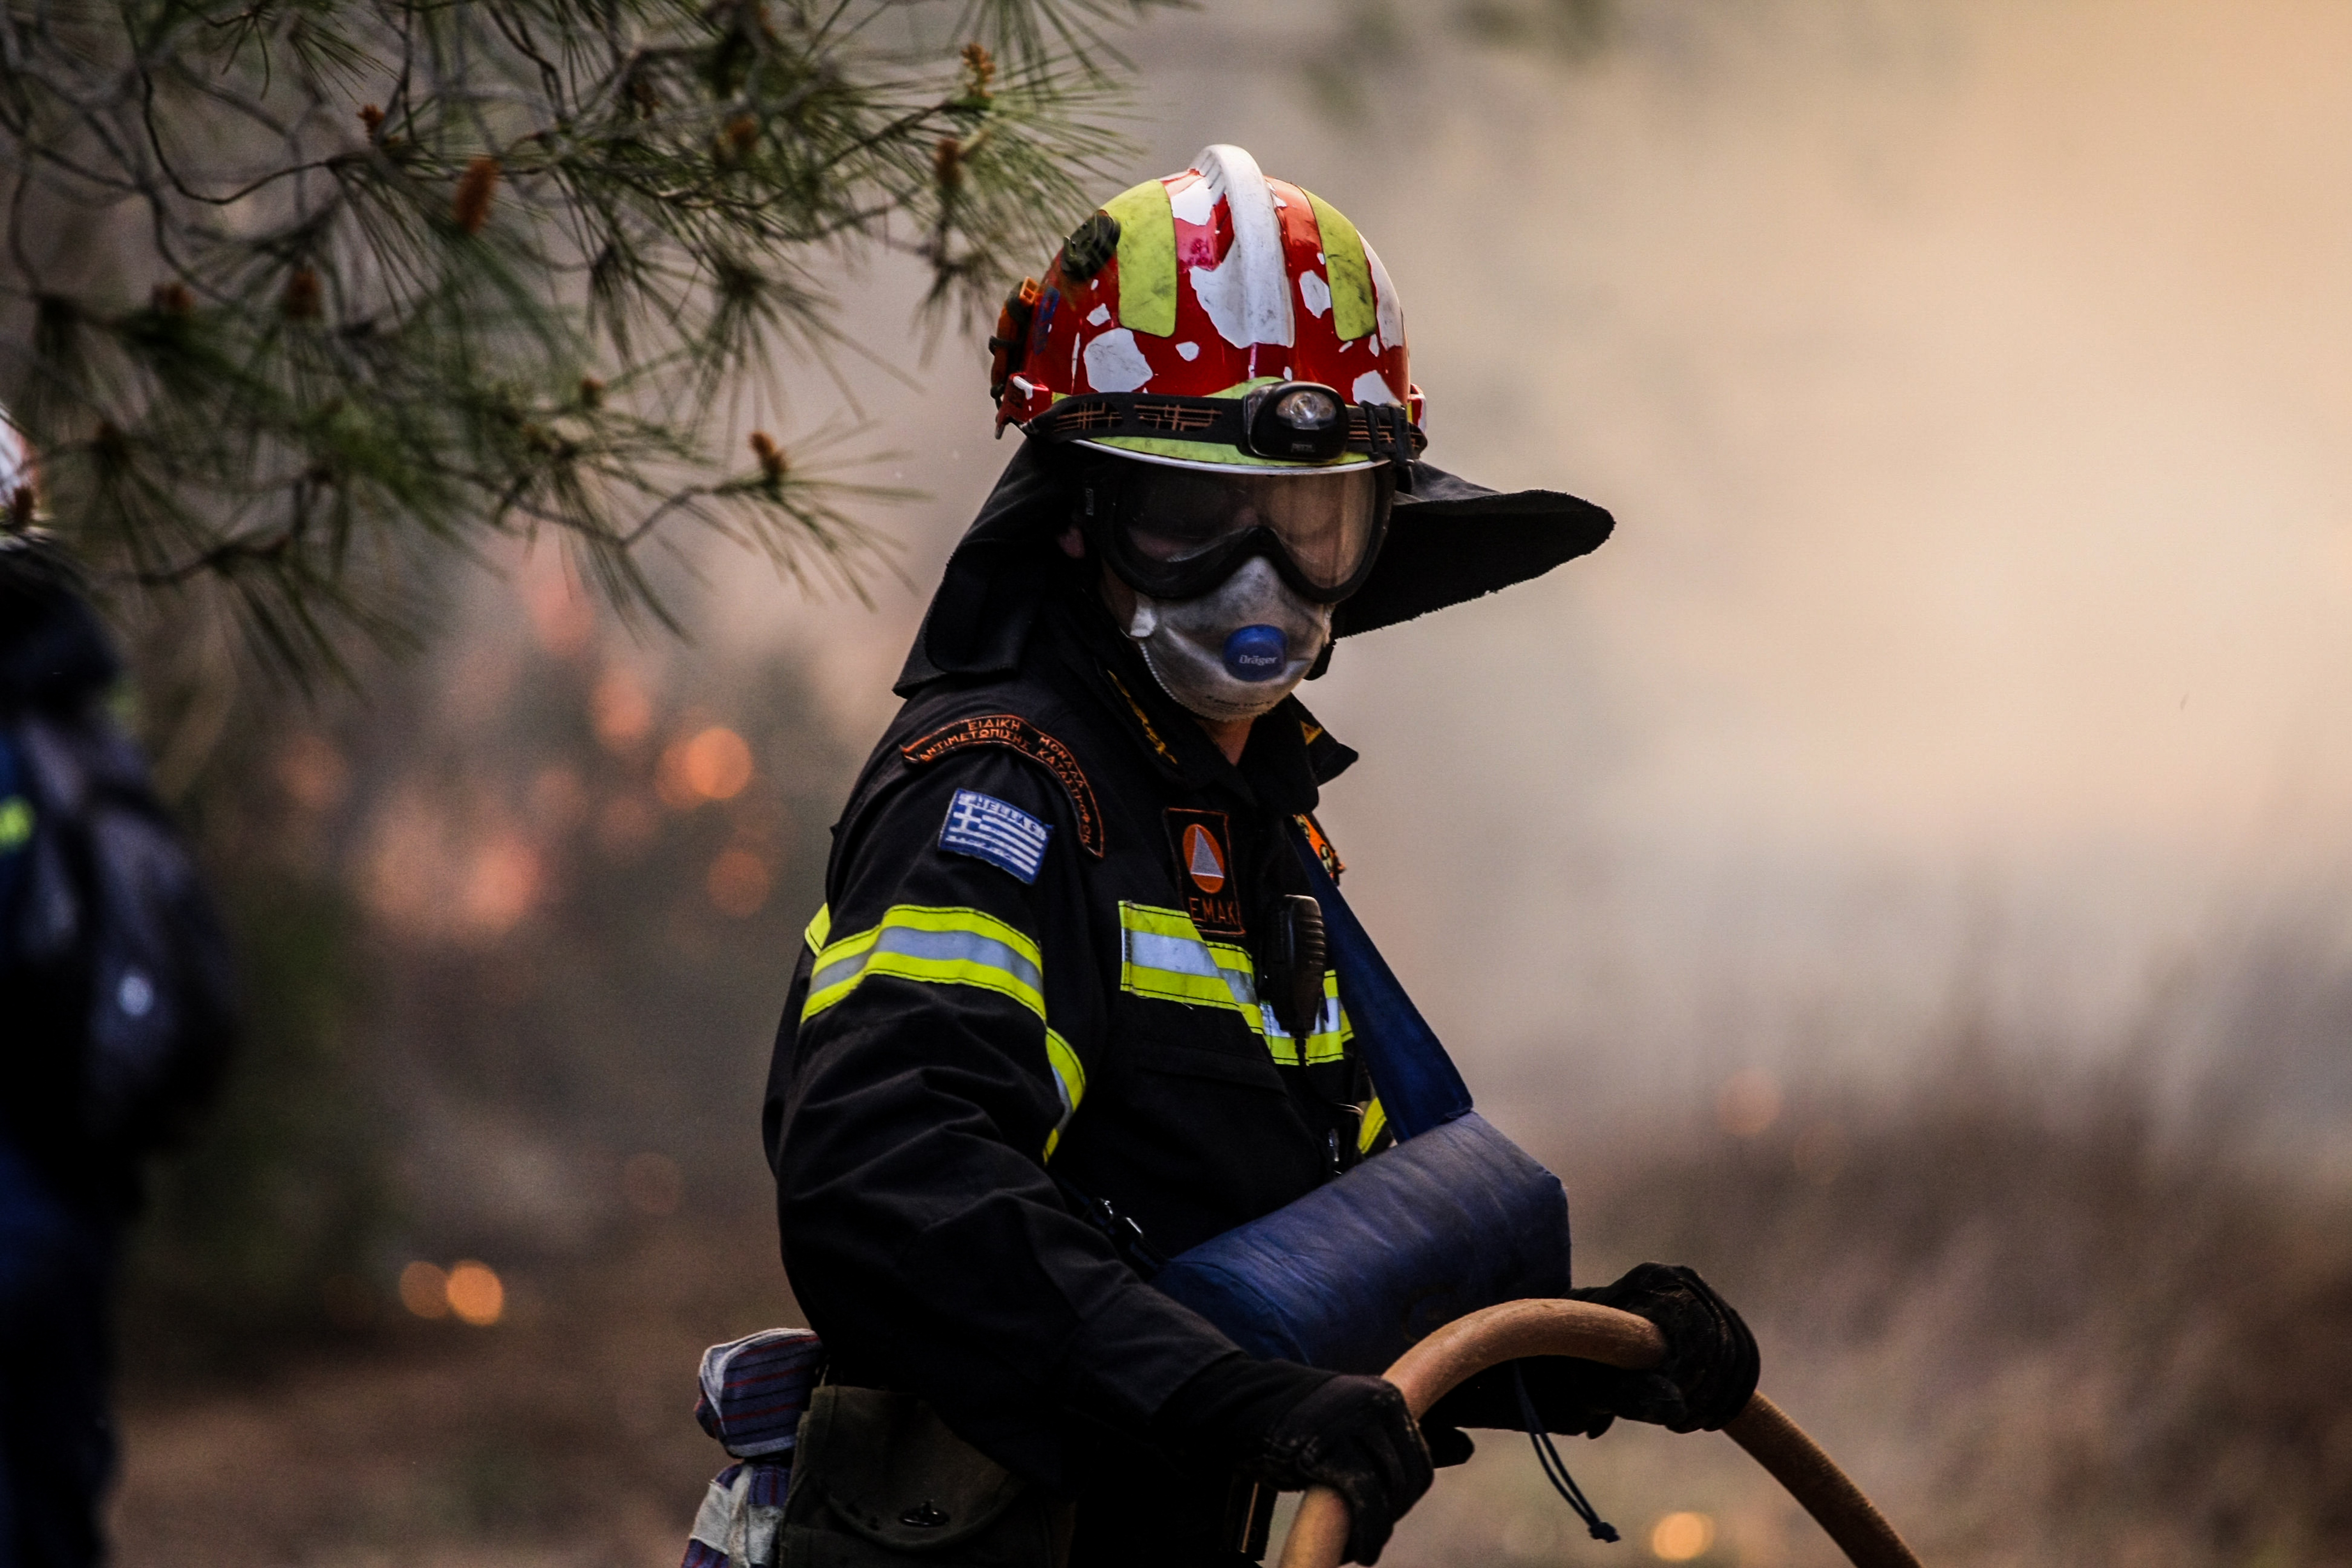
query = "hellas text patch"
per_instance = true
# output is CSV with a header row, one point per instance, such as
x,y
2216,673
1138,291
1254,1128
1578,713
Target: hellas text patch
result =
x,y
990,829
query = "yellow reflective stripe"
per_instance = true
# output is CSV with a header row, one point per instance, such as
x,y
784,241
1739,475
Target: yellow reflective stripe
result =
x,y
1239,971
1069,1073
1157,921
1069,1083
838,968
1163,956
951,946
1147,258
1375,1121
1345,268
932,946
819,927
15,822
1327,1041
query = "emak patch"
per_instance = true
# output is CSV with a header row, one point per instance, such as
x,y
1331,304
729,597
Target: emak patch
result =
x,y
1203,842
996,831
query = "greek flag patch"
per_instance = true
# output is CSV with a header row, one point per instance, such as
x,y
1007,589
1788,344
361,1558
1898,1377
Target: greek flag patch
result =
x,y
986,829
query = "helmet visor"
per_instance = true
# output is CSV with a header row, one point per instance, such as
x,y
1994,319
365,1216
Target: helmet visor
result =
x,y
1180,532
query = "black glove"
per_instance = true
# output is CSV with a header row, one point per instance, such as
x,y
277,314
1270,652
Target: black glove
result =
x,y
1705,1380
1294,1426
1709,1372
1355,1436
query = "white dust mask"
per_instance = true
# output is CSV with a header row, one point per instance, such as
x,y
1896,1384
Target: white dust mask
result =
x,y
1236,650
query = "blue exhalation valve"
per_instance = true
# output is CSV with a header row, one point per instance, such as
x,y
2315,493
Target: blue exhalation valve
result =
x,y
1256,653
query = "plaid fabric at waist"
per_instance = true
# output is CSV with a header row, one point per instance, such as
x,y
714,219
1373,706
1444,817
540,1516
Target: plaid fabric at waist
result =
x,y
755,1389
754,1392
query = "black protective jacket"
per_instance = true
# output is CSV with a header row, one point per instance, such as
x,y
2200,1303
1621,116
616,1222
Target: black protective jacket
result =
x,y
1032,991
1107,1008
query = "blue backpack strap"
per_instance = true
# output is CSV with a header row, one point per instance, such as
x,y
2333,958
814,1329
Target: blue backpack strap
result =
x,y
1418,1085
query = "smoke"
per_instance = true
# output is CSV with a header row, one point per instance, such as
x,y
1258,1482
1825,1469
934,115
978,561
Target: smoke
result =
x,y
1831,876
1967,382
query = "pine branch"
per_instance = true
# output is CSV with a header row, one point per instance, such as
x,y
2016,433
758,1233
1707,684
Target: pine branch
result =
x,y
311,295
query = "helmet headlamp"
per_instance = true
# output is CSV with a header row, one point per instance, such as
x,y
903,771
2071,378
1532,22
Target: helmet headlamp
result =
x,y
1302,420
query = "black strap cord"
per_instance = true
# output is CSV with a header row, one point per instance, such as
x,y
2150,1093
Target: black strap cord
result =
x,y
1555,1469
1390,432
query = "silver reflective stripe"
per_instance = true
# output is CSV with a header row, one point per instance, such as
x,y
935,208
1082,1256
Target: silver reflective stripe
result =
x,y
955,946
834,973
1327,1019
1180,955
941,946
1184,955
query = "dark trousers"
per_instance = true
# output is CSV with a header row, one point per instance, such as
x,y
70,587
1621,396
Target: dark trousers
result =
x,y
1170,1520
56,1445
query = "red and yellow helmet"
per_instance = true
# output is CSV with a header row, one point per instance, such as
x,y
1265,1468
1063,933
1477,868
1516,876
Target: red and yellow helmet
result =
x,y
1214,317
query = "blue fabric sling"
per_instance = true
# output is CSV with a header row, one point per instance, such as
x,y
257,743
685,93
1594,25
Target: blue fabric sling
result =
x,y
1456,1217
1418,1084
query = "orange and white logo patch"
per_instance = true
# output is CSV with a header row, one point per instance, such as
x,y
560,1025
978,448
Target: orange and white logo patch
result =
x,y
1202,859
1201,844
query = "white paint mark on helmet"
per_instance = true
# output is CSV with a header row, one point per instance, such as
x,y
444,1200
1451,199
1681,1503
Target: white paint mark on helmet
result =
x,y
1114,364
1098,315
1188,351
1387,309
1373,387
1315,292
1196,203
1247,295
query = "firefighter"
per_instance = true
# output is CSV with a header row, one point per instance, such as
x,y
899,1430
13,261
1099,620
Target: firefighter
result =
x,y
116,1021
1047,1030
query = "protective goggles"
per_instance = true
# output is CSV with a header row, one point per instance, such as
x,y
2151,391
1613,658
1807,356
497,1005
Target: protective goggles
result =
x,y
1176,532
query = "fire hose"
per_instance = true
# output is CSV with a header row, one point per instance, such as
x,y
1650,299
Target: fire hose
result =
x,y
1469,1345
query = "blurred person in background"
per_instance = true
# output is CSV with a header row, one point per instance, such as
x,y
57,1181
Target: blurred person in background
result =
x,y
115,1024
1053,1025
